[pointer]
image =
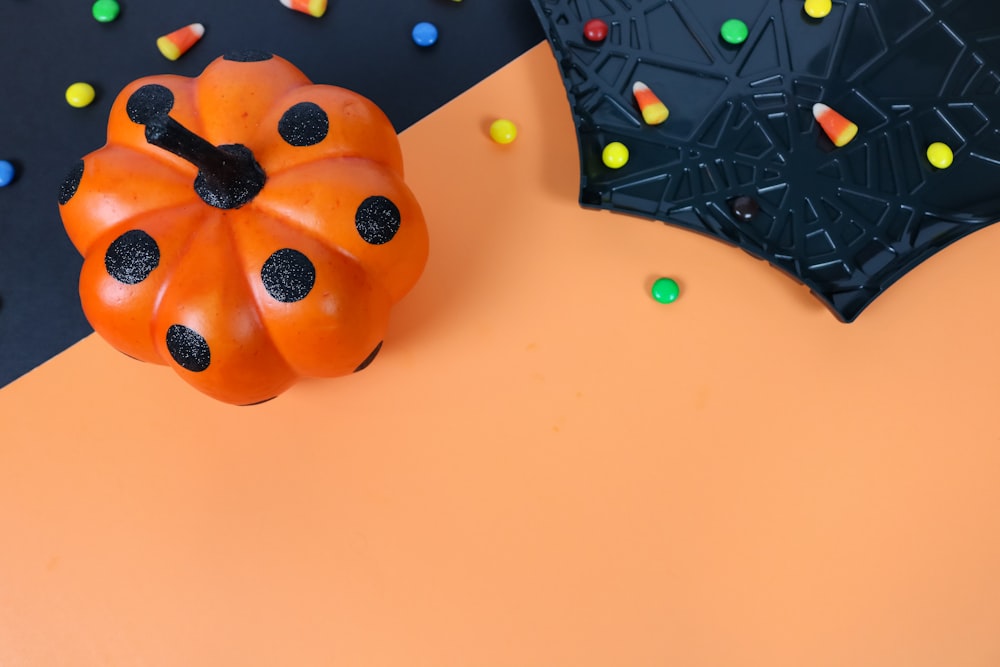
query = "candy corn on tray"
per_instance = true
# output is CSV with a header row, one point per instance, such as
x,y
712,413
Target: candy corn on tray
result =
x,y
908,89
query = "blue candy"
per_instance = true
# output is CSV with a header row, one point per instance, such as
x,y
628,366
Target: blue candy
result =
x,y
6,173
425,34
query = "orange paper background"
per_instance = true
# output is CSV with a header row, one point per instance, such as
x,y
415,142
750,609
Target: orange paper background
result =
x,y
543,467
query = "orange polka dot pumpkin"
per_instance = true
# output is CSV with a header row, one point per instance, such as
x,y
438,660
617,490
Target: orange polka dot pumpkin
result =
x,y
245,227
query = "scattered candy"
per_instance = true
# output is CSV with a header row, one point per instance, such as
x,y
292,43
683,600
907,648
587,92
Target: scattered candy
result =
x,y
817,9
6,173
425,34
940,155
105,11
595,30
615,155
734,31
840,130
503,131
80,94
666,290
311,7
177,43
653,110
744,208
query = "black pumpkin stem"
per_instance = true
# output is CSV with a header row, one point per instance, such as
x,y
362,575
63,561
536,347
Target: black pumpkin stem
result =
x,y
228,175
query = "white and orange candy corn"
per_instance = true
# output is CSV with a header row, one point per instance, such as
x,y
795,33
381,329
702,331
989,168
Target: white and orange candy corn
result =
x,y
653,110
311,7
176,44
840,130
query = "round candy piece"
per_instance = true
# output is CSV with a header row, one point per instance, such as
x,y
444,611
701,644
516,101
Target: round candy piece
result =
x,y
105,11
80,94
615,155
734,31
666,290
425,34
940,155
744,208
595,30
6,173
503,131
817,9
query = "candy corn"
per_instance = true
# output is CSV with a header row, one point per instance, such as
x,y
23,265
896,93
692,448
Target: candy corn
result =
x,y
176,44
653,110
839,129
311,7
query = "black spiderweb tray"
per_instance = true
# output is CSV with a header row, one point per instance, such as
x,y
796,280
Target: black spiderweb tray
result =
x,y
847,222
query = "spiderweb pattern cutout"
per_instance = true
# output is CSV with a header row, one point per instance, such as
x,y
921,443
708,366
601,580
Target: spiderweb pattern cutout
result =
x,y
847,222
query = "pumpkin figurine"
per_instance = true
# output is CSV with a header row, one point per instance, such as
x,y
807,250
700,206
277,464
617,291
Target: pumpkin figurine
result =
x,y
245,227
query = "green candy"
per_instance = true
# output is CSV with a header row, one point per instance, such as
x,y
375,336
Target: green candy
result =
x,y
105,11
666,290
734,31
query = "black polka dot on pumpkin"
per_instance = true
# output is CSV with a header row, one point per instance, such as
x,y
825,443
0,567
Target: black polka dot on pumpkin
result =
x,y
247,56
288,275
369,359
149,101
377,220
188,348
304,124
69,185
132,257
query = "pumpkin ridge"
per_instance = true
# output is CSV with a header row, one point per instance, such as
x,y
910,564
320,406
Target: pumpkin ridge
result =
x,y
244,260
158,155
258,209
329,205
206,95
355,127
255,299
214,232
326,256
353,156
199,226
127,221
157,224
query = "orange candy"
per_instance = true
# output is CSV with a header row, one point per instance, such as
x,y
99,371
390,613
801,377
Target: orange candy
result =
x,y
177,43
311,7
840,130
653,110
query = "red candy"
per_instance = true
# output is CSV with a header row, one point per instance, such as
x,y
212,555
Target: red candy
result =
x,y
595,30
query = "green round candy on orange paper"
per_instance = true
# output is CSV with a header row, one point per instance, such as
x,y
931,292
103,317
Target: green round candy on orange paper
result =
x,y
666,290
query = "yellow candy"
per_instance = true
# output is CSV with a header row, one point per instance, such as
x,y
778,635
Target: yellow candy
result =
x,y
615,155
503,131
80,94
940,155
818,8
